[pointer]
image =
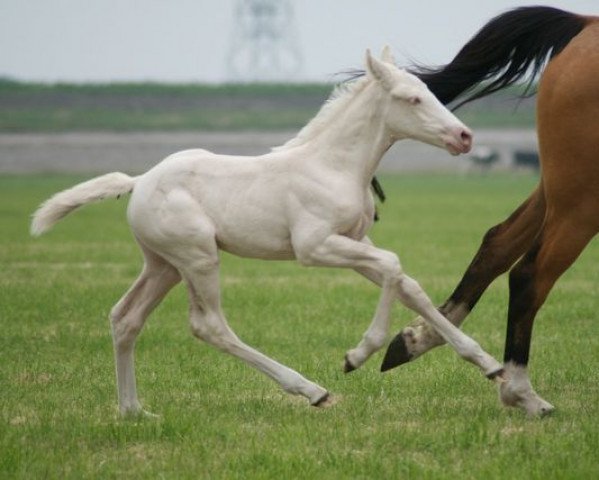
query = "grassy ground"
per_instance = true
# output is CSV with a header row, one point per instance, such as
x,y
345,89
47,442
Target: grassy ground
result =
x,y
127,107
437,418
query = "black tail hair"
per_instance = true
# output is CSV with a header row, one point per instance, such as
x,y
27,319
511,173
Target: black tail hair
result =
x,y
510,47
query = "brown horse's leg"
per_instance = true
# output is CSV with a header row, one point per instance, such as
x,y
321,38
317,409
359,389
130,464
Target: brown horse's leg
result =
x,y
567,109
558,245
502,245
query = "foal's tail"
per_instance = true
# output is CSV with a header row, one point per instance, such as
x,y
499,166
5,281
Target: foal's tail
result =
x,y
510,47
56,207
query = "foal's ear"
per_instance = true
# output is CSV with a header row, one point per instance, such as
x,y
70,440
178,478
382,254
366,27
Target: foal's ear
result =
x,y
380,71
387,55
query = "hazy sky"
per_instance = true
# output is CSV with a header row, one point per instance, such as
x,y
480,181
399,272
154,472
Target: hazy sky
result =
x,y
188,40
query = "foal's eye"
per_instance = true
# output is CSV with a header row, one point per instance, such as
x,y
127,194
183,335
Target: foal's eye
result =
x,y
415,100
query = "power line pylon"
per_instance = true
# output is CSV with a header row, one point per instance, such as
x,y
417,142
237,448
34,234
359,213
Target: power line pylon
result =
x,y
264,46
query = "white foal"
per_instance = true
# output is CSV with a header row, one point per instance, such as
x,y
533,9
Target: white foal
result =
x,y
307,200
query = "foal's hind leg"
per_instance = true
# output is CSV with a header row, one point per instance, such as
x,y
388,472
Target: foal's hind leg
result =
x,y
199,266
128,317
502,245
208,323
560,242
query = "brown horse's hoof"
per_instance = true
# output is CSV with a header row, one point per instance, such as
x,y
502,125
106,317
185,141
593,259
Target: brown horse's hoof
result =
x,y
397,353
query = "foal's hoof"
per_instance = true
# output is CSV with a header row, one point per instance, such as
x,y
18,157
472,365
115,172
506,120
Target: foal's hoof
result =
x,y
137,415
397,353
326,401
348,366
498,376
545,409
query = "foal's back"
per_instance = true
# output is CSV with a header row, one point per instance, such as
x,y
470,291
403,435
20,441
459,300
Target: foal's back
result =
x,y
195,194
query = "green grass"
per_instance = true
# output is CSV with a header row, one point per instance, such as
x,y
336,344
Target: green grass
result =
x,y
34,107
437,418
8,86
59,119
38,107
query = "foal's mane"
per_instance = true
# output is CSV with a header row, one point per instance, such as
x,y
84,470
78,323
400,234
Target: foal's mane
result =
x,y
342,95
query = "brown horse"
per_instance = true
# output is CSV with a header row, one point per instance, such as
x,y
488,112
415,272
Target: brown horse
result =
x,y
550,229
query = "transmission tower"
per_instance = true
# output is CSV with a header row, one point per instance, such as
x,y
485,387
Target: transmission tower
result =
x,y
264,46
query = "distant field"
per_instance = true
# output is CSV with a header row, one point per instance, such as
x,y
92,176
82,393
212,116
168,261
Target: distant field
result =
x,y
435,419
138,107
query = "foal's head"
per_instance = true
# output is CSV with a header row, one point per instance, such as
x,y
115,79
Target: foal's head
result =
x,y
413,111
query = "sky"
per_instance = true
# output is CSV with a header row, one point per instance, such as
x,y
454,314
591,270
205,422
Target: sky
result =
x,y
192,40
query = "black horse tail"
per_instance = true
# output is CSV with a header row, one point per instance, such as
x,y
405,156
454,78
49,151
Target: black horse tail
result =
x,y
511,47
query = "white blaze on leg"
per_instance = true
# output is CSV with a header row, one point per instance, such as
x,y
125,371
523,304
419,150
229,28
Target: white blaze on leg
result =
x,y
420,337
412,296
517,391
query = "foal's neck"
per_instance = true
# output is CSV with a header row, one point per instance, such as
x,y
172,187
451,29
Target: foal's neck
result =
x,y
357,138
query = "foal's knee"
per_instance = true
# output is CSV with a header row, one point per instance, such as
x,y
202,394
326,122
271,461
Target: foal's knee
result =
x,y
411,293
390,267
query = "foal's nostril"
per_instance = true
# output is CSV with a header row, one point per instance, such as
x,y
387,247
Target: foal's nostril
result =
x,y
466,136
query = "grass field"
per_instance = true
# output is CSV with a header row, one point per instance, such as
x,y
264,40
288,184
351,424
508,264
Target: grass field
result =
x,y
26,107
437,418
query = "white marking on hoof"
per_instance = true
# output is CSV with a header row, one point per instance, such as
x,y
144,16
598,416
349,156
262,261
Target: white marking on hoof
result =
x,y
420,338
516,391
500,378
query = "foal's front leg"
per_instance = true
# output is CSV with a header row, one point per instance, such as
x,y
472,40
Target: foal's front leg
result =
x,y
384,268
340,251
502,245
412,296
